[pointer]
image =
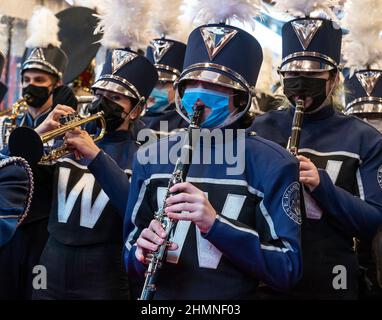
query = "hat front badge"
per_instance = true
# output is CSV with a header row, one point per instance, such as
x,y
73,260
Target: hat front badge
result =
x,y
37,54
368,80
120,58
216,38
160,48
306,30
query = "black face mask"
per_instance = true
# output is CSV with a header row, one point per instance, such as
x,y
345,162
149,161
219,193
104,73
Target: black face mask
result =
x,y
303,87
113,112
37,96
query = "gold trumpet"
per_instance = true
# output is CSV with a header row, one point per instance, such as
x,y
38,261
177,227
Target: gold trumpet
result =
x,y
8,123
27,143
19,107
5,112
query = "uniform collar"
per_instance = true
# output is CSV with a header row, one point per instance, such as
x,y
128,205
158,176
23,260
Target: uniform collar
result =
x,y
322,114
30,122
169,108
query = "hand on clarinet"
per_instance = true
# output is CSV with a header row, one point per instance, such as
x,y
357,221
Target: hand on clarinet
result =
x,y
308,173
192,200
149,241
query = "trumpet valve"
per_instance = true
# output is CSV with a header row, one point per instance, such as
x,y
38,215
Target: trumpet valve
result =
x,y
64,119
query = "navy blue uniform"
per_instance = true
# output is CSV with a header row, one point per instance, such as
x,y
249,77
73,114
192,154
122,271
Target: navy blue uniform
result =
x,y
14,186
83,253
14,189
23,252
348,154
256,236
170,116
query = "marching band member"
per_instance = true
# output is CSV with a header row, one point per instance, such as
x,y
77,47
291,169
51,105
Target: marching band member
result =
x,y
90,189
14,189
167,55
15,184
42,70
236,229
363,95
340,157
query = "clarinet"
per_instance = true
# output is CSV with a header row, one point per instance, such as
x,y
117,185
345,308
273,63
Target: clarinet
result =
x,y
294,139
179,175
292,147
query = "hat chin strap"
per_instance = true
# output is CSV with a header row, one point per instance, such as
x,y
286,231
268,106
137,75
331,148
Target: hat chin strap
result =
x,y
326,101
139,103
236,116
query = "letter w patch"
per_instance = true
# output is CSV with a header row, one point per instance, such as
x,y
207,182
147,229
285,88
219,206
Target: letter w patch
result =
x,y
89,213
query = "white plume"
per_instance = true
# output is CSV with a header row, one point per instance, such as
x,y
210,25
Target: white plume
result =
x,y
42,29
216,11
267,75
124,23
185,26
183,31
306,8
165,17
92,4
362,47
3,38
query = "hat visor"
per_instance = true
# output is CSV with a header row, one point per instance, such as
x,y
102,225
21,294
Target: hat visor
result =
x,y
365,105
166,76
114,86
214,76
42,67
166,73
306,64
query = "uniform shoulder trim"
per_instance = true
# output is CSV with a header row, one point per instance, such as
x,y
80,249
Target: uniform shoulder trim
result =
x,y
269,145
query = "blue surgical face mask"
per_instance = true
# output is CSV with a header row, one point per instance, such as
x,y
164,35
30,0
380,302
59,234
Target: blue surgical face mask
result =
x,y
218,102
160,100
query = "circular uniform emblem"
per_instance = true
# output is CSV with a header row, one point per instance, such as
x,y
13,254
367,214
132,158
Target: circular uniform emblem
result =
x,y
379,176
291,202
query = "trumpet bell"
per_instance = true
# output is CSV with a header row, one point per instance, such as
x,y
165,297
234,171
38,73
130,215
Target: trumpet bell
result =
x,y
26,143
